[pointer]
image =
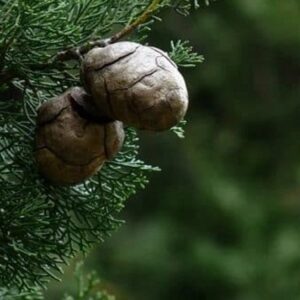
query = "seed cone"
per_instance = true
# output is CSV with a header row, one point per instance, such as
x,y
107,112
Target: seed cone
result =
x,y
138,85
70,146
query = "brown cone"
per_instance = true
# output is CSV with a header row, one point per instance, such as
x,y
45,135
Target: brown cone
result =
x,y
69,146
138,85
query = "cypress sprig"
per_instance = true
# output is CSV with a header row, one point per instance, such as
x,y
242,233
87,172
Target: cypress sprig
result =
x,y
43,226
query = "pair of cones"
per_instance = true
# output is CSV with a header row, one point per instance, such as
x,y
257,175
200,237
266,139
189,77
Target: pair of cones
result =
x,y
124,82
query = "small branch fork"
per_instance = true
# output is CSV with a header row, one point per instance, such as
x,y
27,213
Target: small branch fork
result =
x,y
76,53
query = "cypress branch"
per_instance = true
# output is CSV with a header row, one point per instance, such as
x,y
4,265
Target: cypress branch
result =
x,y
43,226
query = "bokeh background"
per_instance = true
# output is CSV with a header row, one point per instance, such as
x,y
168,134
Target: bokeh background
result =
x,y
222,220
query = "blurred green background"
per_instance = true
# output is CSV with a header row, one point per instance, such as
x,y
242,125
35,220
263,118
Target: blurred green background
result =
x,y
222,220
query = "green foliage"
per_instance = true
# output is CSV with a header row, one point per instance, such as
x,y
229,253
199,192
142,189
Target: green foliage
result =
x,y
13,294
34,31
184,7
87,287
179,129
182,53
43,226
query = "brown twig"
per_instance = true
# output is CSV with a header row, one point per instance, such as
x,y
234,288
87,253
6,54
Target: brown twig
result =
x,y
77,53
154,5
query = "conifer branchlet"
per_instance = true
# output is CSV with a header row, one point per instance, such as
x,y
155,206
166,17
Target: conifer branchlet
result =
x,y
41,44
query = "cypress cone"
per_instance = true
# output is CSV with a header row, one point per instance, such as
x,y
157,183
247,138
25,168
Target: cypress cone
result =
x,y
71,145
138,85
